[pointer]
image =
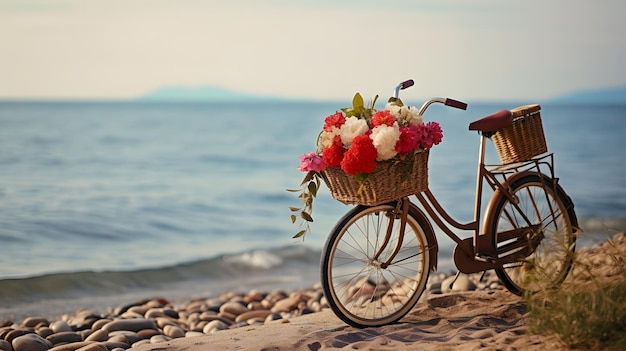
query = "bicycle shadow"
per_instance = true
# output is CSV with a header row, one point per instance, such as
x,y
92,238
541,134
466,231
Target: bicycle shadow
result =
x,y
467,320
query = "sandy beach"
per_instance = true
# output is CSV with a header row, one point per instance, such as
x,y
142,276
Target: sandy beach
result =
x,y
475,313
476,320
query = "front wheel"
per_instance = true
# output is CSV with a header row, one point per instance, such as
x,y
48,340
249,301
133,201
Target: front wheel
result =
x,y
360,287
539,210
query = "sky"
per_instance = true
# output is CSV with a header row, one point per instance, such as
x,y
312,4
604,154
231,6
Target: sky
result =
x,y
311,49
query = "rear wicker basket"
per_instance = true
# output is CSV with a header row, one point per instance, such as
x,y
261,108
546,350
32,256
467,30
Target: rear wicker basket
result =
x,y
391,180
524,138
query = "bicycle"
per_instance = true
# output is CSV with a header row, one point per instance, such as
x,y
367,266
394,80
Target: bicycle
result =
x,y
377,258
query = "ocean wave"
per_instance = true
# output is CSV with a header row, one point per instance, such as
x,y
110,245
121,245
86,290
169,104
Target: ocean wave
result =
x,y
279,262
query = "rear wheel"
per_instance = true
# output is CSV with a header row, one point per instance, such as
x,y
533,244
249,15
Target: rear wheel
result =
x,y
360,288
547,258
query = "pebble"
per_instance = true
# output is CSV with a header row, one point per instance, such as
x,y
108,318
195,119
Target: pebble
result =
x,y
60,326
5,346
94,347
30,342
133,324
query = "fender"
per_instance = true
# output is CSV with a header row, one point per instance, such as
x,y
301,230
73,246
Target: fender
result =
x,y
567,201
429,232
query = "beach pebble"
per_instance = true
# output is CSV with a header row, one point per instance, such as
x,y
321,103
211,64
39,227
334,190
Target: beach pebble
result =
x,y
64,337
233,308
252,314
44,332
71,346
30,342
147,333
214,326
32,322
5,345
15,333
94,347
159,339
254,296
60,326
273,317
98,335
97,325
173,331
286,304
135,324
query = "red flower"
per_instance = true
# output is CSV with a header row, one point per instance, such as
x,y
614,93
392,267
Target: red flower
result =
x,y
332,155
361,157
383,117
335,120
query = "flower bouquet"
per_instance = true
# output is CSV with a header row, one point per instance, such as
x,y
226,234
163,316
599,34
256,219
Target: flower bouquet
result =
x,y
367,157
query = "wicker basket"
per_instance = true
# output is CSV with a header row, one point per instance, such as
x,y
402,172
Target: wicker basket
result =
x,y
524,138
391,181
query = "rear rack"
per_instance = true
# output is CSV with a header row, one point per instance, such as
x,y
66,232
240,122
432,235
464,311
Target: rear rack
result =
x,y
535,163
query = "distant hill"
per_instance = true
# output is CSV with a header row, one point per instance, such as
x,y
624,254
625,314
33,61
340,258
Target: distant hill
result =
x,y
203,94
611,96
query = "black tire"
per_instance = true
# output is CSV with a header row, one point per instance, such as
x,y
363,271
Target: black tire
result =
x,y
358,289
547,264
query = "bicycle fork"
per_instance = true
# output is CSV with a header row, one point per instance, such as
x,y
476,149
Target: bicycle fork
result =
x,y
402,207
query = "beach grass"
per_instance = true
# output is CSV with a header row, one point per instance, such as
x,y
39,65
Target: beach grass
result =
x,y
587,311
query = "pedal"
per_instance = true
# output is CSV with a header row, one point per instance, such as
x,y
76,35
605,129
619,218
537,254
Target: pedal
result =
x,y
484,258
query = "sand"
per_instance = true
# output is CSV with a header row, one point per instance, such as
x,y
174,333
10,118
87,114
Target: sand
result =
x,y
473,320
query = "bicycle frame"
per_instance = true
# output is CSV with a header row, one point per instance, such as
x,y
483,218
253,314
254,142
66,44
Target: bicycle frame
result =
x,y
478,253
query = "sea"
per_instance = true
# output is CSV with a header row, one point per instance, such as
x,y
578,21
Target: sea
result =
x,y
106,203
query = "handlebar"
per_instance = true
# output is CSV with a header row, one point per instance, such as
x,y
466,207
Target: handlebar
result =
x,y
448,102
406,84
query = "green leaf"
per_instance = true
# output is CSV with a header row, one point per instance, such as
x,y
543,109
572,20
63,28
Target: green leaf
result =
x,y
293,218
294,209
312,188
359,177
299,234
308,177
293,190
357,102
307,217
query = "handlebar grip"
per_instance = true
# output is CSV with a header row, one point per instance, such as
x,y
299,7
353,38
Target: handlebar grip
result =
x,y
406,84
456,104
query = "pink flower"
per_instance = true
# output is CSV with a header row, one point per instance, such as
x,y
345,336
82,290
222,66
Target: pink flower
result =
x,y
432,134
334,120
311,162
434,129
410,137
383,117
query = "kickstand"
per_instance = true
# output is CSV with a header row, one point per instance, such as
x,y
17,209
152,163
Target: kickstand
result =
x,y
455,278
482,276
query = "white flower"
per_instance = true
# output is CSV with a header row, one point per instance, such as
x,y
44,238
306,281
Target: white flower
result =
x,y
326,138
354,126
384,138
405,114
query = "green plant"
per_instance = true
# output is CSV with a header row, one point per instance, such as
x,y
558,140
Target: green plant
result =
x,y
588,311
